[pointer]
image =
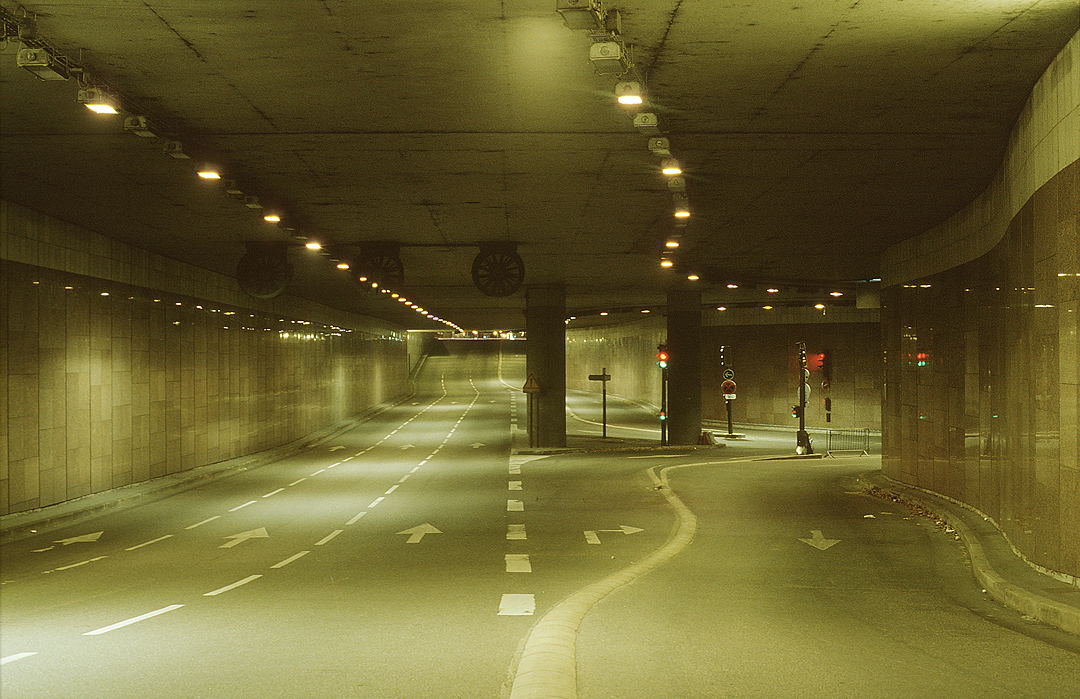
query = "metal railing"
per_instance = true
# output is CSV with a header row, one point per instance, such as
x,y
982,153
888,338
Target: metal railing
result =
x,y
847,440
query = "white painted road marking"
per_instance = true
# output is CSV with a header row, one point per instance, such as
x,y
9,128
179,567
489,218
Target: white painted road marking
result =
x,y
356,519
417,533
81,563
819,541
13,658
273,492
515,506
328,537
147,543
392,489
290,559
518,563
592,538
514,485
375,502
298,481
259,533
517,605
249,502
85,538
199,524
132,620
515,532
235,585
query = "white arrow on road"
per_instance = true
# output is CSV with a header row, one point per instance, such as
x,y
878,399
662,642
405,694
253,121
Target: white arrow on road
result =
x,y
80,539
259,533
336,448
477,445
407,446
819,541
417,532
593,538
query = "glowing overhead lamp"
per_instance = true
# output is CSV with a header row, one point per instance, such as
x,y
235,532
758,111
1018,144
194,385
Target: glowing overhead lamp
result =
x,y
272,218
99,100
682,212
836,293
666,263
209,173
313,245
693,277
628,93
670,167
671,244
773,290
733,286
342,265
819,306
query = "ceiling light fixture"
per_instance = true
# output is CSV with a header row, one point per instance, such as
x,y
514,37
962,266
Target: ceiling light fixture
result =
x,y
628,93
682,213
208,173
671,244
773,291
610,57
42,64
580,14
140,126
670,166
666,263
342,265
99,100
313,245
272,218
693,277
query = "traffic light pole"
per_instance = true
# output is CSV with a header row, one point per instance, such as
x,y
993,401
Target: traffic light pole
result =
x,y
802,437
663,407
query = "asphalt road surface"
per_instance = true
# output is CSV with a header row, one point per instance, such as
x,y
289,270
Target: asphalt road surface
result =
x,y
414,556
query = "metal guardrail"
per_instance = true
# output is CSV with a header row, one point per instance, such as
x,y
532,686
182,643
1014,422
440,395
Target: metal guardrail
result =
x,y
847,440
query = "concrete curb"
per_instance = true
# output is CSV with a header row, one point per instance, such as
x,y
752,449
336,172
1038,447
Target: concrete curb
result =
x,y
1023,600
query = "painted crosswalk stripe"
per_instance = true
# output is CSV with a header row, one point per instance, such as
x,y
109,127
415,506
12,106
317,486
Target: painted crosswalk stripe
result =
x,y
132,620
517,605
518,563
233,586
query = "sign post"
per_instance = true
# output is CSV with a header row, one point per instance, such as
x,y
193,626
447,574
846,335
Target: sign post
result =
x,y
531,388
728,389
802,438
603,377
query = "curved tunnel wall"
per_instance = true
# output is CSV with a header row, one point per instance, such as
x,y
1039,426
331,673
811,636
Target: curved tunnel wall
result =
x,y
117,366
981,401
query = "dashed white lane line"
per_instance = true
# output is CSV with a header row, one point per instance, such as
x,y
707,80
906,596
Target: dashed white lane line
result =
x,y
515,532
273,492
328,537
376,501
12,658
515,470
250,502
199,524
356,519
290,559
404,478
517,605
518,563
298,481
318,472
81,563
592,538
235,585
147,543
414,469
392,489
514,485
132,620
515,506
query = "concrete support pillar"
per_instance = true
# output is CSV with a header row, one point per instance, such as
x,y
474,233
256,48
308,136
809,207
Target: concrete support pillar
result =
x,y
684,372
545,360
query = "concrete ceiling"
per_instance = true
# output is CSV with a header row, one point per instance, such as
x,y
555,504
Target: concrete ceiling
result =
x,y
813,134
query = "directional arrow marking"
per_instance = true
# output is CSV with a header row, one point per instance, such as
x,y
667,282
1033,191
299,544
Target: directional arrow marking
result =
x,y
477,445
336,448
592,538
819,541
80,539
417,533
259,533
408,446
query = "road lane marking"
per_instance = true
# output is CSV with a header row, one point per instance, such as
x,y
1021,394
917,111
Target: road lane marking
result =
x,y
404,478
592,538
416,534
392,489
333,465
13,658
515,506
147,543
290,559
376,501
80,563
132,620
328,537
298,481
518,563
356,519
515,470
259,533
199,524
317,472
414,469
273,492
515,532
85,538
250,502
517,605
514,485
235,585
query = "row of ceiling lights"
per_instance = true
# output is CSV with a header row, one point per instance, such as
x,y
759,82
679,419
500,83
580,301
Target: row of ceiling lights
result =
x,y
819,306
47,63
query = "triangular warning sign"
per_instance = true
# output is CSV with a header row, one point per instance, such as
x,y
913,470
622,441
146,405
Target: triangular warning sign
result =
x,y
531,385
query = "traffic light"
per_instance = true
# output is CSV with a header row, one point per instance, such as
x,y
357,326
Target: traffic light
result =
x,y
662,356
826,366
796,411
663,415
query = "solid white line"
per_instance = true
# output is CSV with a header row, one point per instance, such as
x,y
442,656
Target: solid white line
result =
x,y
199,524
356,519
13,658
392,489
375,502
132,620
81,563
273,492
328,537
147,543
290,559
298,481
236,584
250,502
